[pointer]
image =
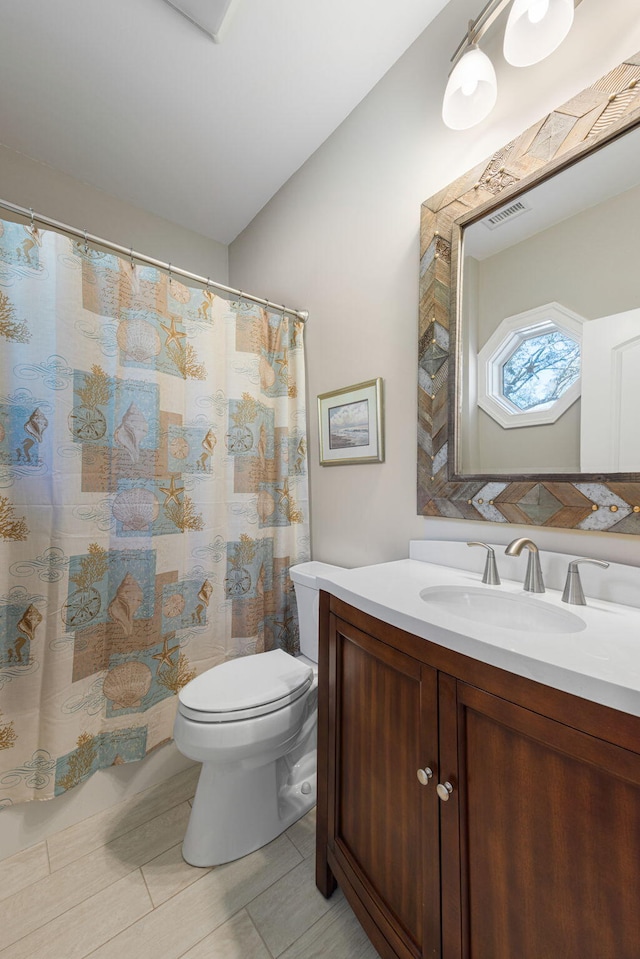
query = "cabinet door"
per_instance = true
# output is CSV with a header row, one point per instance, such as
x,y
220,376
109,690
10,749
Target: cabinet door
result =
x,y
383,824
549,837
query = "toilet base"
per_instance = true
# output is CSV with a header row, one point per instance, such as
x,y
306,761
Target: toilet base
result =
x,y
236,810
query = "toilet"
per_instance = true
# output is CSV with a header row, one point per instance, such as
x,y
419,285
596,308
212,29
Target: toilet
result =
x,y
252,724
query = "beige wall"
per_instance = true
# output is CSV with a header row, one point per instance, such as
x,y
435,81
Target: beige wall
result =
x,y
341,240
31,184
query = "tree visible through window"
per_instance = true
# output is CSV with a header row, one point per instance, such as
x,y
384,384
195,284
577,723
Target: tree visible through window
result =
x,y
540,370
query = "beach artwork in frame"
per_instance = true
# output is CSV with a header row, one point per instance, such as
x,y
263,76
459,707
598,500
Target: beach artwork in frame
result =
x,y
350,425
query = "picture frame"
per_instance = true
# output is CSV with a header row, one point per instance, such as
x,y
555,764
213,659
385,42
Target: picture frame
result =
x,y
350,425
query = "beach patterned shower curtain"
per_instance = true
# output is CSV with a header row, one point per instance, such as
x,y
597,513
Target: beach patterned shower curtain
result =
x,y
153,494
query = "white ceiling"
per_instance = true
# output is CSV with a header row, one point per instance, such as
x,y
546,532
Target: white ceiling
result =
x,y
130,97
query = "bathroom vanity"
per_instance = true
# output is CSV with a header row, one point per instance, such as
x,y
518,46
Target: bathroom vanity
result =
x,y
479,785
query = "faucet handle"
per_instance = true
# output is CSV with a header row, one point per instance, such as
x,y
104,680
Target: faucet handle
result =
x,y
573,592
490,575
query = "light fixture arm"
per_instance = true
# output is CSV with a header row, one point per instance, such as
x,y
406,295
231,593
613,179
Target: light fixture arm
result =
x,y
478,27
483,22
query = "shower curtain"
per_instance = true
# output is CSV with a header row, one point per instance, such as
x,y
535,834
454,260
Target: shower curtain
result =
x,y
153,494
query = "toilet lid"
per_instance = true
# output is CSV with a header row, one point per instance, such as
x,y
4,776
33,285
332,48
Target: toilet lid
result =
x,y
244,687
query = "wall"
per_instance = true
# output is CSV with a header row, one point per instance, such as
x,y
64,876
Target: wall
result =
x,y
28,183
35,185
341,240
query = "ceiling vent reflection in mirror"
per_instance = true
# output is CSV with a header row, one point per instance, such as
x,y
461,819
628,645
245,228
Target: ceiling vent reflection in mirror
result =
x,y
494,220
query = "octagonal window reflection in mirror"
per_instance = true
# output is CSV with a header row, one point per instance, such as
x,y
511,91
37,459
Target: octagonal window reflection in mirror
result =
x,y
529,368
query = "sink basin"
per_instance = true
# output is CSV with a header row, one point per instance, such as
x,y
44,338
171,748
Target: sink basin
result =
x,y
491,607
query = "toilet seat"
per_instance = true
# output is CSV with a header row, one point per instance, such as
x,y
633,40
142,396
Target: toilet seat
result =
x,y
244,688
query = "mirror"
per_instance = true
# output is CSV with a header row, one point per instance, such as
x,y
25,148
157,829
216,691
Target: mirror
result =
x,y
548,375
529,352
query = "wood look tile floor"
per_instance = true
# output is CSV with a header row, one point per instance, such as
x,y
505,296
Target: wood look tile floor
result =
x,y
115,886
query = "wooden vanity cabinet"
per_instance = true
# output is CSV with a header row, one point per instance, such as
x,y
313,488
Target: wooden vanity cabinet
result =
x,y
384,832
535,852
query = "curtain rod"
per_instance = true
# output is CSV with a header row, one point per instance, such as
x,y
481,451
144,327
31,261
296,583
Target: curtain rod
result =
x,y
167,267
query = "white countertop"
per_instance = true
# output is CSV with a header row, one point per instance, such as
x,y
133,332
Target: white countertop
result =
x,y
600,663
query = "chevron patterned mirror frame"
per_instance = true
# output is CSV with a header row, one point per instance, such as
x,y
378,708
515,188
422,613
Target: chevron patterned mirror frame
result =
x,y
602,112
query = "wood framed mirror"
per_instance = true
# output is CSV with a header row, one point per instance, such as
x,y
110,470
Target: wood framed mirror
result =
x,y
582,488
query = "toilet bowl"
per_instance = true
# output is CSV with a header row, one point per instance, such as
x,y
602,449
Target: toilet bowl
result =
x,y
252,724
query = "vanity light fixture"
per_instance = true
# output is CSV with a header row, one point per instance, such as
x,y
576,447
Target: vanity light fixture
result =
x,y
535,28
472,89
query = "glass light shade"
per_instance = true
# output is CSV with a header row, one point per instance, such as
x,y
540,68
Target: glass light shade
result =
x,y
471,92
535,28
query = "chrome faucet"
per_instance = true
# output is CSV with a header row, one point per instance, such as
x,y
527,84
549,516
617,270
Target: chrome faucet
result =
x,y
533,581
490,574
573,592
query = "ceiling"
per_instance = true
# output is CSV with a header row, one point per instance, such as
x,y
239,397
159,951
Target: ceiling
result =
x,y
132,98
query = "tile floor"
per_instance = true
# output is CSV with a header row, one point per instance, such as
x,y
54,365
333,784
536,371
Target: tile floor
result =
x,y
116,887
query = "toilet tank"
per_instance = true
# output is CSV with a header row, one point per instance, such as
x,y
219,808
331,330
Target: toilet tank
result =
x,y
304,577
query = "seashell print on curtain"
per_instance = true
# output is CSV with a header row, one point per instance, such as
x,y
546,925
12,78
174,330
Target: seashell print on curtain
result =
x,y
153,494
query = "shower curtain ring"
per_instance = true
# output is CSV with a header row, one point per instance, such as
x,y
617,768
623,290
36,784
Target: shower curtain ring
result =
x,y
32,223
86,248
170,277
131,258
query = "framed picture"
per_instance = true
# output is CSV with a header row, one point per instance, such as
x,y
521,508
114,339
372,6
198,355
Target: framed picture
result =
x,y
350,425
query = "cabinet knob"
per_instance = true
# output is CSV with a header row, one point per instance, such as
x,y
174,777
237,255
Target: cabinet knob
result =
x,y
444,790
424,775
